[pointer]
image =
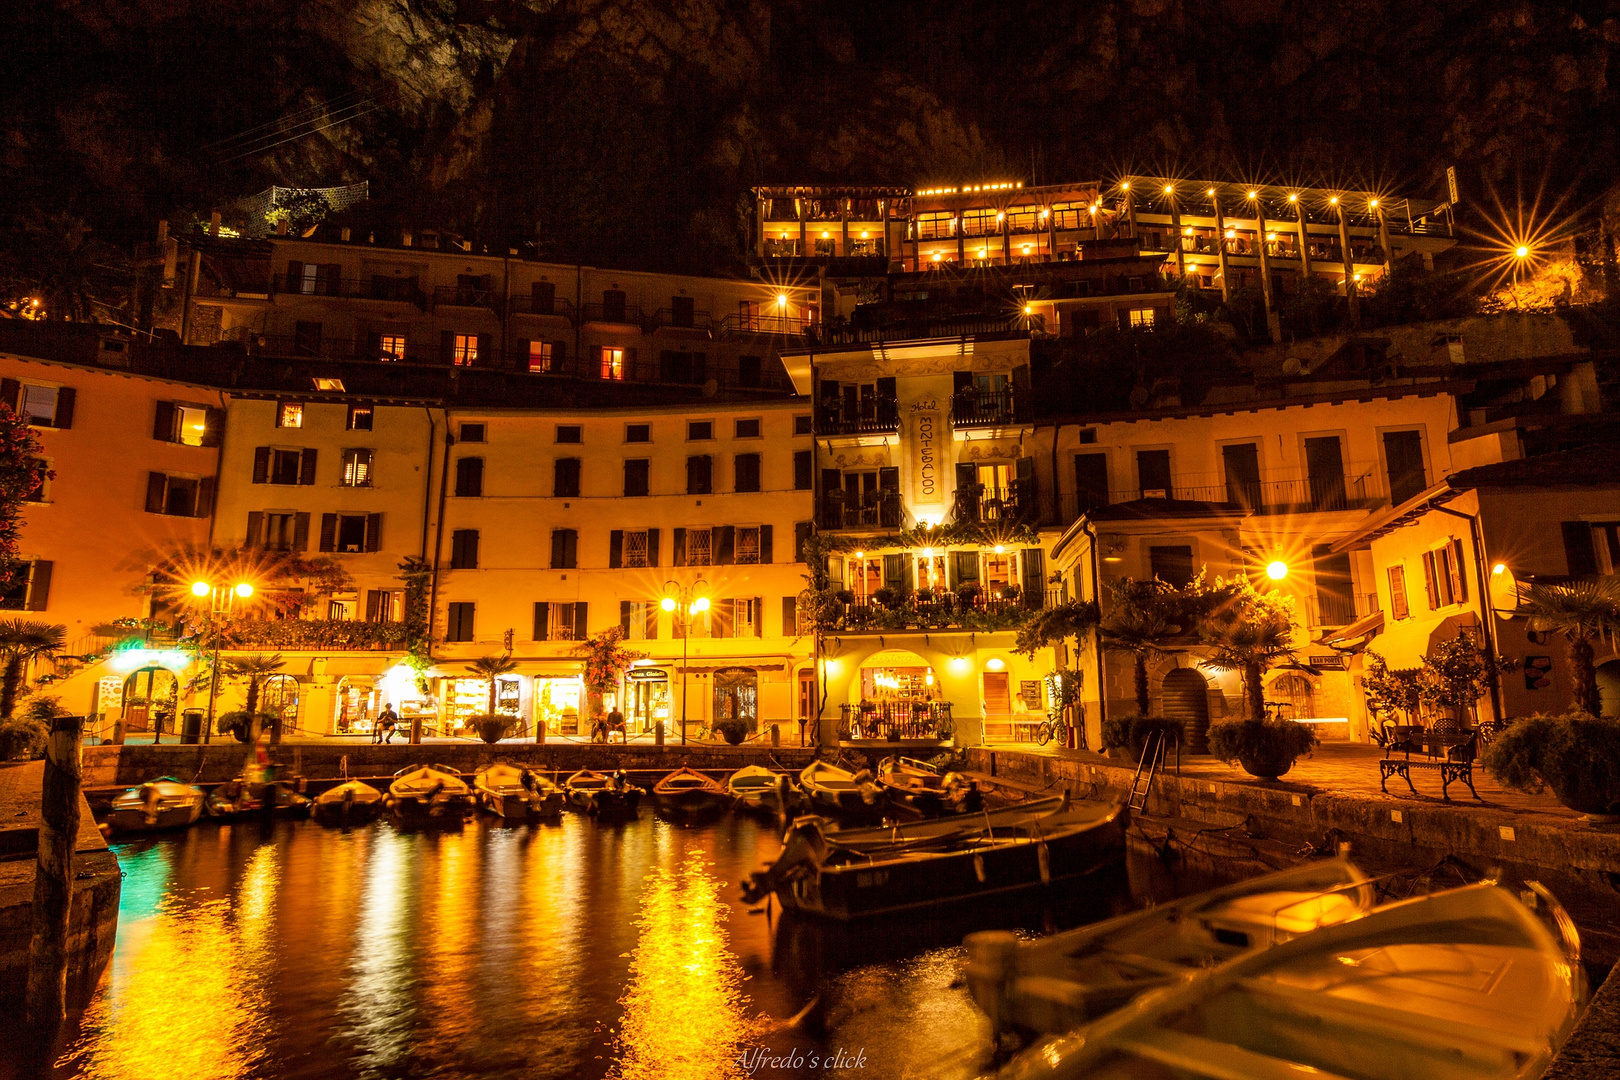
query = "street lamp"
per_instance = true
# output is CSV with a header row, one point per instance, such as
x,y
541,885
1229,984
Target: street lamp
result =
x,y
221,598
684,599
1276,570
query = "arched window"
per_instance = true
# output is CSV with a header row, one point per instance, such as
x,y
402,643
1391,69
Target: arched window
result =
x,y
736,695
279,697
1296,691
151,700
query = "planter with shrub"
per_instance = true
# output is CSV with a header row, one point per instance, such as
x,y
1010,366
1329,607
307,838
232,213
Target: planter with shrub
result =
x,y
489,728
1125,737
1576,754
1265,748
24,733
239,724
733,731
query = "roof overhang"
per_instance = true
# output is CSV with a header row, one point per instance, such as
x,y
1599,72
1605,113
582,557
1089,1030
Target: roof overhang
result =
x,y
1396,517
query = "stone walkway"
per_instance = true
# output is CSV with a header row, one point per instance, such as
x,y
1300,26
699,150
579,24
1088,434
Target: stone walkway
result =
x,y
1340,769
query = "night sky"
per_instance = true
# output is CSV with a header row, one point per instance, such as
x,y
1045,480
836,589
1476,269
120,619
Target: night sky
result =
x,y
628,133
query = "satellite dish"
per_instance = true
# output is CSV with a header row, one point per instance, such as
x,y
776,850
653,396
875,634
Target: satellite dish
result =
x,y
711,388
1291,366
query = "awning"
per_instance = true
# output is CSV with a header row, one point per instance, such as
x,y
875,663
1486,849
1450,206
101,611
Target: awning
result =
x,y
338,666
1406,643
1367,624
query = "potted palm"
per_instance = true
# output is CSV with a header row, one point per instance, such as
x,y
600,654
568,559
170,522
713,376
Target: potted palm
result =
x,y
246,723
1576,754
21,642
1250,632
491,726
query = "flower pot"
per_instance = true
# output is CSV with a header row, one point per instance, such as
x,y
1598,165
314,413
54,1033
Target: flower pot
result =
x,y
490,728
733,736
1587,804
1266,768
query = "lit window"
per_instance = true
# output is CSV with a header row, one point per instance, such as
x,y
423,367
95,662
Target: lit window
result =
x,y
1142,317
541,357
748,546
357,468
465,353
699,551
190,424
635,548
39,404
290,414
612,363
391,347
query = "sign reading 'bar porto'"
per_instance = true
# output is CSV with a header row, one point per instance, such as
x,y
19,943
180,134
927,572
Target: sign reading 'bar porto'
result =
x,y
927,477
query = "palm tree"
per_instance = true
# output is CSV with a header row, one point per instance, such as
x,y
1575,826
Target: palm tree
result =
x,y
1580,611
1249,632
492,668
1144,618
21,641
255,669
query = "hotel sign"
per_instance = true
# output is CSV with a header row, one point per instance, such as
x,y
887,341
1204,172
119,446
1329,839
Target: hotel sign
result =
x,y
928,440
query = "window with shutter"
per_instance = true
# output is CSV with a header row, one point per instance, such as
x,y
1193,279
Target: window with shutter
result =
x,y
1580,554
699,547
306,466
459,624
157,486
464,549
635,548
803,470
1459,573
725,545
747,472
699,474
542,621
357,467
615,549
564,548
1398,604
635,477
360,417
1430,587
470,477
747,545
801,537
565,478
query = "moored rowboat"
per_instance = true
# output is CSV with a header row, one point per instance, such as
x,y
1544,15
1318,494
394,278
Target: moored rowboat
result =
x,y
834,790
164,803
515,793
686,793
926,789
429,793
352,802
598,793
764,791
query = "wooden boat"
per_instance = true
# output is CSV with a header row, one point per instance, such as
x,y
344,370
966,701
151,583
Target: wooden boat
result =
x,y
764,791
830,789
164,803
353,802
823,873
925,789
937,833
598,793
429,793
1465,983
1056,983
515,793
686,793
237,799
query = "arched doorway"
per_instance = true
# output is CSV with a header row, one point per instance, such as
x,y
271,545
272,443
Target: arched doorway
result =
x,y
1608,680
151,700
736,696
1295,692
900,698
1185,696
279,697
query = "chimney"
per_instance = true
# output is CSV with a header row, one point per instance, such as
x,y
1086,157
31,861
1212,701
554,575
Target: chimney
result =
x,y
281,227
213,224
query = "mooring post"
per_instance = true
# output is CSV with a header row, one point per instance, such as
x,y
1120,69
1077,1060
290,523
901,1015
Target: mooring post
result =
x,y
53,876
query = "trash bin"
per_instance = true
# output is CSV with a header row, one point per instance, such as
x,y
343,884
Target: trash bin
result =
x,y
191,725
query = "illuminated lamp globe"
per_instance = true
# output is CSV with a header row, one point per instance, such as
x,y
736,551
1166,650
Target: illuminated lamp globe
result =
x,y
1276,570
1372,204
1125,185
781,299
201,588
1499,569
701,604
1333,200
1000,549
1169,189
1521,251
1254,194
1210,193
667,603
1029,309
1293,198
244,590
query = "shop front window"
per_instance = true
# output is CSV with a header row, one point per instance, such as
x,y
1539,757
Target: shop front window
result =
x,y
736,695
279,697
556,704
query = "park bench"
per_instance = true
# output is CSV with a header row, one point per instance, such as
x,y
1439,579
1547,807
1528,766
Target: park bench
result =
x,y
1451,754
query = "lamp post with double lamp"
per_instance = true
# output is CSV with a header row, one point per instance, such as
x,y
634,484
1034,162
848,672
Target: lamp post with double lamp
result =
x,y
221,598
684,599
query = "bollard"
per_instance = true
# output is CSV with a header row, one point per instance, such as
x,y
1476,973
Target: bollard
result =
x,y
776,735
539,732
658,734
53,876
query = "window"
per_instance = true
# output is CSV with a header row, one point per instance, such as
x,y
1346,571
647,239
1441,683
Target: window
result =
x,y
699,474
469,477
1444,578
290,414
351,533
1403,461
803,470
565,478
635,549
613,305
564,549
1090,481
1141,317
359,418
390,347
569,433
283,466
681,311
803,425
281,531
635,477
1172,565
472,432
1153,474
464,549
612,363
459,622
1242,462
638,619
1399,607
1335,596
385,605
698,430
542,358
747,472
699,547
464,350
357,468
563,621
748,370
638,433
39,493
188,425
30,589
543,297
179,496
748,429
748,546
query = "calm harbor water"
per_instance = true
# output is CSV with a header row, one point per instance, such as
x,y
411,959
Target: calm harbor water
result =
x,y
577,949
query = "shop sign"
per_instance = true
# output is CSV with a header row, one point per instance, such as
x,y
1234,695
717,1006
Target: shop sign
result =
x,y
927,429
648,674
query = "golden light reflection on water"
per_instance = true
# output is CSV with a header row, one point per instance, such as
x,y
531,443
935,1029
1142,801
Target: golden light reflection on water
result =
x,y
379,1003
685,1015
189,988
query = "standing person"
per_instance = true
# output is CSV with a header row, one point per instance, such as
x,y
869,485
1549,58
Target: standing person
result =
x,y
387,721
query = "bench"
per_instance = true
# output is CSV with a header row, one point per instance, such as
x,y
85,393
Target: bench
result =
x,y
1458,763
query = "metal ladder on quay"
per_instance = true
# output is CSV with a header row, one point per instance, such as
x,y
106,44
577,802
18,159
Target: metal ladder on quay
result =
x,y
1147,769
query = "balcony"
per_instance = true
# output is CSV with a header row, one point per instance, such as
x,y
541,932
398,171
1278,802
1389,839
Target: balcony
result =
x,y
671,372
616,314
680,320
988,408
1333,609
868,416
475,296
923,328
778,325
968,608
1016,504
848,510
528,304
384,289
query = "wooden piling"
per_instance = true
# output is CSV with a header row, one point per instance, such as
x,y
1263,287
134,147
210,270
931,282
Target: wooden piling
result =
x,y
53,875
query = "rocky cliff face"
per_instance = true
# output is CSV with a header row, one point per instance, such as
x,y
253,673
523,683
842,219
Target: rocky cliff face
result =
x,y
628,130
